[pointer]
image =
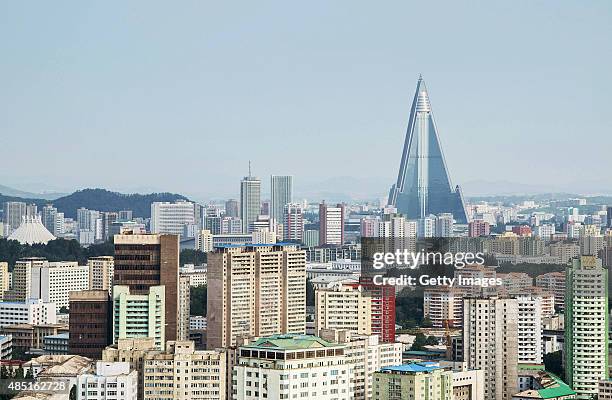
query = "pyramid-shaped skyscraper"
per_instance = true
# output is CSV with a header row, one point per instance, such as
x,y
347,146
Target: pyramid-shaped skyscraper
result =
x,y
423,184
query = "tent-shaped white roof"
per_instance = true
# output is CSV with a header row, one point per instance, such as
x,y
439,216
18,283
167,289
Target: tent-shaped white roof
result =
x,y
31,231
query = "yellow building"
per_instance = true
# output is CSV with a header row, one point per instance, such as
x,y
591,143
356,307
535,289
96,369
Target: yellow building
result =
x,y
413,381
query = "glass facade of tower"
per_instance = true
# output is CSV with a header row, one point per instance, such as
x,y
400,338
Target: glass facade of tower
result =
x,y
423,184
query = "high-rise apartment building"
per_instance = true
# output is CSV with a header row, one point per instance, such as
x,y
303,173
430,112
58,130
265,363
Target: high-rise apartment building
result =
x,y
445,225
311,237
255,290
90,323
427,227
331,224
530,329
204,241
137,316
101,271
182,329
4,279
479,228
171,218
553,282
443,306
108,219
143,261
182,372
343,308
490,330
14,212
250,201
232,208
89,226
281,194
53,220
564,251
37,278
22,278
291,367
586,325
293,227
231,225
382,299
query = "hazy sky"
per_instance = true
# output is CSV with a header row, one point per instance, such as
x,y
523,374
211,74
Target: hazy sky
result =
x,y
179,96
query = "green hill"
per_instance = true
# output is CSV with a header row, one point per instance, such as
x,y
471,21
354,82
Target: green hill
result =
x,y
103,200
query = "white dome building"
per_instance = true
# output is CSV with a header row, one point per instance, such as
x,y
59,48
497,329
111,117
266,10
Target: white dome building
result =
x,y
31,231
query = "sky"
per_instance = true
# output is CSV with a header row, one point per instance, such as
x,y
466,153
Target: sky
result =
x,y
157,96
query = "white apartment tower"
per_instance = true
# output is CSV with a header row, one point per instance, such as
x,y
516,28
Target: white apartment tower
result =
x,y
53,281
250,201
171,218
490,329
331,224
182,328
530,329
101,270
293,228
255,290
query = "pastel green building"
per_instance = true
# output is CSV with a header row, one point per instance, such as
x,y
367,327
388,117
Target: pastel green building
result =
x,y
139,315
416,381
586,325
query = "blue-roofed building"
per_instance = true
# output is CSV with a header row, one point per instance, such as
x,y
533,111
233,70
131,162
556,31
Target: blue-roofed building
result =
x,y
426,380
56,344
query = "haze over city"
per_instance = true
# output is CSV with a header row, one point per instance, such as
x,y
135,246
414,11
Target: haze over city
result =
x,y
521,93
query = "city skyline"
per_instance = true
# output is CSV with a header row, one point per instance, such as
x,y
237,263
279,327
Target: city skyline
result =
x,y
509,96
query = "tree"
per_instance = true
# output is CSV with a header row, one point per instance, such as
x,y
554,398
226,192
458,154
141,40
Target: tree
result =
x,y
63,310
426,323
310,293
197,300
419,341
189,256
4,372
431,341
19,373
553,363
73,393
29,374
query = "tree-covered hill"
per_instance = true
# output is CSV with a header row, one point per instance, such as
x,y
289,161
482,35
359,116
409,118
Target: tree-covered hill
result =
x,y
103,200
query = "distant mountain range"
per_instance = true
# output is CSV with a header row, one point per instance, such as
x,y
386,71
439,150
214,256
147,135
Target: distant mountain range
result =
x,y
8,191
101,200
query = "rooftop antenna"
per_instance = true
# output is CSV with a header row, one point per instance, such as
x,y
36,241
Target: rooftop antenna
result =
x,y
249,168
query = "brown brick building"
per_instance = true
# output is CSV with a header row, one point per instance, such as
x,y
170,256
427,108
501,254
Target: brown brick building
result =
x,y
90,323
142,261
